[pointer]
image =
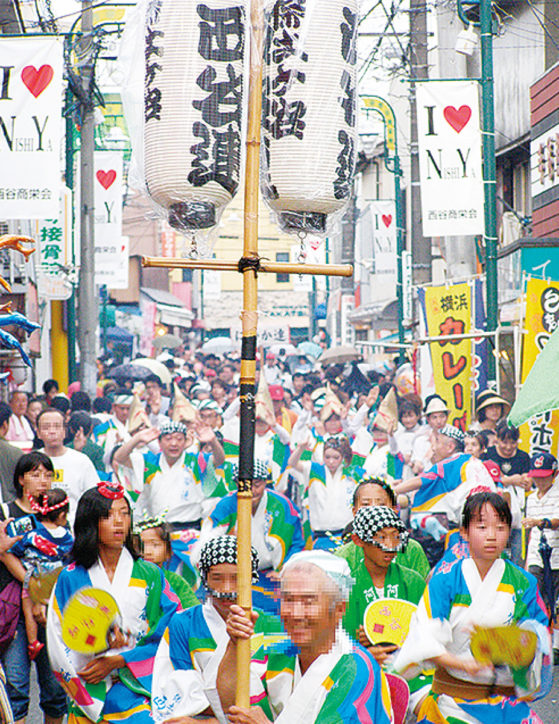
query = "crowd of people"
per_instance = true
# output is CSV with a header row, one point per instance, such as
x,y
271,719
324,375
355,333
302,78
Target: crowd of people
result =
x,y
383,538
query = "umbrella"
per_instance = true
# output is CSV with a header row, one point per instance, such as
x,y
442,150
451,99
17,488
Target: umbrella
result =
x,y
218,345
129,371
170,341
311,349
283,349
338,355
155,367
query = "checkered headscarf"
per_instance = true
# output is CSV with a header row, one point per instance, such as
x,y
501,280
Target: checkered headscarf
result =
x,y
371,519
223,549
454,433
261,471
168,427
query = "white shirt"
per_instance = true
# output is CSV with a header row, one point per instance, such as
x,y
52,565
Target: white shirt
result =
x,y
545,506
174,490
74,473
330,504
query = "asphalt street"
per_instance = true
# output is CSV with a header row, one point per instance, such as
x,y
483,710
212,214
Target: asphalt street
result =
x,y
547,709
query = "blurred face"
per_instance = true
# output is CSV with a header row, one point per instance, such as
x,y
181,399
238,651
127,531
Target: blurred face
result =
x,y
379,437
436,420
227,375
298,382
443,447
115,527
487,535
493,412
35,482
409,419
371,494
222,578
506,448
121,412
33,409
543,482
19,403
51,429
306,611
154,549
261,427
472,447
153,392
172,446
388,537
209,417
258,488
333,424
332,459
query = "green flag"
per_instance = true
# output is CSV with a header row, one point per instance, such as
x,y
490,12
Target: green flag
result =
x,y
540,391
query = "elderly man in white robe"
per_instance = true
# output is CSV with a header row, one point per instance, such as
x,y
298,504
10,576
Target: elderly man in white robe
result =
x,y
319,674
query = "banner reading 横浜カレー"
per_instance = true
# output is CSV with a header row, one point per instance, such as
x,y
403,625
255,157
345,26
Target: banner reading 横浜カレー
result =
x,y
30,127
448,311
449,139
541,432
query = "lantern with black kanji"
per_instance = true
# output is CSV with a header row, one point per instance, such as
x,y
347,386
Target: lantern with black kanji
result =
x,y
193,94
308,118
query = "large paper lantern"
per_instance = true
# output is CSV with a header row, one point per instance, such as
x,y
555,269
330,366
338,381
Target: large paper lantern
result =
x,y
309,110
192,107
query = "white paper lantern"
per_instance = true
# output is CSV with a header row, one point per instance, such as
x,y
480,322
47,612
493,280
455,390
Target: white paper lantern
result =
x,y
309,110
193,107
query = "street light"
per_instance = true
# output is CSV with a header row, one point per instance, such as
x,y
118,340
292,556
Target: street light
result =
x,y
392,163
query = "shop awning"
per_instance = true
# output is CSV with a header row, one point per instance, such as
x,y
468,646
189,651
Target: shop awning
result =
x,y
171,309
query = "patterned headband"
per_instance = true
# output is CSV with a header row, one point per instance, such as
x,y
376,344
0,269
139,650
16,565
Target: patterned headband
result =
x,y
36,506
370,520
112,491
168,428
146,523
223,549
261,471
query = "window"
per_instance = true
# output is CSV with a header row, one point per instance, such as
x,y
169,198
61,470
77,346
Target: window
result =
x,y
282,256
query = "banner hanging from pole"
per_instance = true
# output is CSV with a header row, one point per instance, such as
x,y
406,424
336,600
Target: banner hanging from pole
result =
x,y
449,138
448,310
541,432
111,254
30,127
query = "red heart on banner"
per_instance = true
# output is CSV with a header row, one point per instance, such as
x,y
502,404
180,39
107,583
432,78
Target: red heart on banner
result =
x,y
387,219
106,178
457,117
37,80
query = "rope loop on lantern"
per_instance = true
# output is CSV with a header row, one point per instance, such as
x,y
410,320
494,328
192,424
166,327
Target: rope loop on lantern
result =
x,y
193,252
249,262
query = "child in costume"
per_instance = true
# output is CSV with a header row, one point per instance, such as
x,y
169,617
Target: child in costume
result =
x,y
482,591
41,551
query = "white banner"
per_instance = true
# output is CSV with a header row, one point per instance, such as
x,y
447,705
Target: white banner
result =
x,y
109,252
450,158
383,249
30,127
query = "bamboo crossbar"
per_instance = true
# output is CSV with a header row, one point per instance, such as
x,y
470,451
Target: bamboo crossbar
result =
x,y
272,267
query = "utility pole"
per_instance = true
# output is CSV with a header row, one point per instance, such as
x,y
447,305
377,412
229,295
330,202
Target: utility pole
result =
x,y
420,245
489,174
87,298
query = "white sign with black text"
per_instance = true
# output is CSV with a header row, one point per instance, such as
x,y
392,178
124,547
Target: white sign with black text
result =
x,y
449,137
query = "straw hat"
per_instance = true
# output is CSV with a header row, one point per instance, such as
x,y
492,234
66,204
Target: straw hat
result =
x,y
183,410
137,416
489,397
386,418
434,403
332,405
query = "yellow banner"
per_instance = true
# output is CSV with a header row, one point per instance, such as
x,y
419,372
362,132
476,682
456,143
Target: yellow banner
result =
x,y
541,432
449,311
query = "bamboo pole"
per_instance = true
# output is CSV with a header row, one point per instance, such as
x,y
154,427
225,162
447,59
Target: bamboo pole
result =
x,y
249,319
336,270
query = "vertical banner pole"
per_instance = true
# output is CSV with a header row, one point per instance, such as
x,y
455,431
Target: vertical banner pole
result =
x,y
248,349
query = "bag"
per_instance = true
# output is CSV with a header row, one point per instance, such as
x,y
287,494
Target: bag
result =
x,y
10,605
